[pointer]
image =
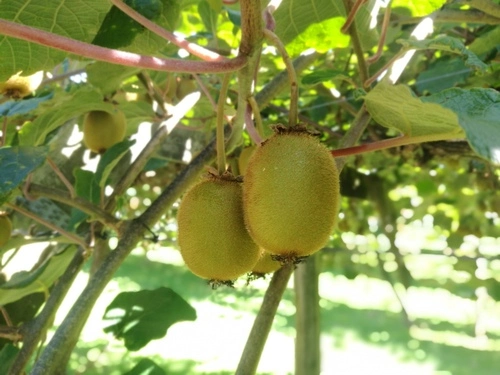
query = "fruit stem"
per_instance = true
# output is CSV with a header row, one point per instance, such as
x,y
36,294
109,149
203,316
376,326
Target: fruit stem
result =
x,y
221,152
256,116
292,75
71,236
192,48
257,338
114,56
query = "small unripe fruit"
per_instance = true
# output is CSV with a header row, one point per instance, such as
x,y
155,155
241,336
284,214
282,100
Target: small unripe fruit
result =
x,y
266,264
291,194
5,230
18,86
101,129
184,87
244,157
213,240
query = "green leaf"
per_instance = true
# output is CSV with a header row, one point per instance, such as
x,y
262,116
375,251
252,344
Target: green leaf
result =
x,y
16,163
108,77
86,187
146,367
119,30
478,112
486,43
316,24
443,74
61,108
418,8
110,159
146,315
75,19
38,280
7,356
208,16
22,107
446,43
323,75
397,108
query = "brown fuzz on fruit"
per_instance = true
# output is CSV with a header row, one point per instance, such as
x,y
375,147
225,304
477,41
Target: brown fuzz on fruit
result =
x,y
291,194
5,230
213,240
102,129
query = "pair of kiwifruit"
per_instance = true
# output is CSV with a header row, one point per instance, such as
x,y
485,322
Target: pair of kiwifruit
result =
x,y
287,205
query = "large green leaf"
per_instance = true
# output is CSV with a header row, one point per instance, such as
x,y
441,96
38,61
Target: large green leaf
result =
x,y
303,24
77,19
146,315
7,356
16,163
449,44
418,8
396,107
39,280
61,108
478,112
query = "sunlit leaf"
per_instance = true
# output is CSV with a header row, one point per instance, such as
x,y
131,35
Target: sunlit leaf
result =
x,y
146,315
146,367
447,43
110,159
397,108
39,280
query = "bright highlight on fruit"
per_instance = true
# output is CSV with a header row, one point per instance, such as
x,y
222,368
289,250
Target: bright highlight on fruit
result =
x,y
101,129
213,240
17,86
5,230
291,194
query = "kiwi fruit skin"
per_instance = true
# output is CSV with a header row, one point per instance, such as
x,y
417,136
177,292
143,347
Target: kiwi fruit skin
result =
x,y
5,230
212,237
266,264
102,129
244,158
291,194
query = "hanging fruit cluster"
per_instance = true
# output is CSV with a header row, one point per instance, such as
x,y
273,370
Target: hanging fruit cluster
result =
x,y
285,209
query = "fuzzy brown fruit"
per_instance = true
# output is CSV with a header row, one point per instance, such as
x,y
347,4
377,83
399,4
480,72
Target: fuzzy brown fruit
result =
x,y
18,86
5,230
101,129
291,194
213,240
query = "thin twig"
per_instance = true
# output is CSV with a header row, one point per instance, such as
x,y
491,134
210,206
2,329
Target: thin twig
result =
x,y
71,236
221,153
292,75
192,48
61,176
10,333
383,34
352,14
114,56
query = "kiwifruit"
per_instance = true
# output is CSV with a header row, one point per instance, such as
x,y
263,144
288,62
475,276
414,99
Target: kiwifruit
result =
x,y
213,240
5,229
102,129
291,194
244,157
185,86
18,86
266,264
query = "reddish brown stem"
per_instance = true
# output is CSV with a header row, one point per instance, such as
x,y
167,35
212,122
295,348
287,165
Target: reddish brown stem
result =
x,y
113,56
389,143
352,13
192,48
383,34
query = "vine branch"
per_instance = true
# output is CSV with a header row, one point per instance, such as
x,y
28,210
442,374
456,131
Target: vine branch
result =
x,y
113,56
